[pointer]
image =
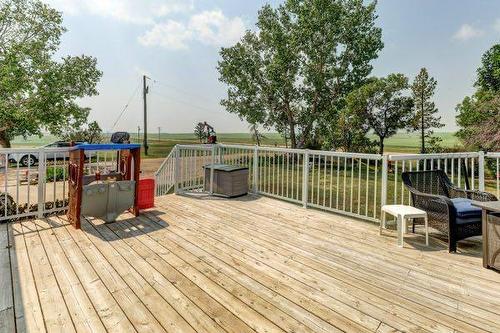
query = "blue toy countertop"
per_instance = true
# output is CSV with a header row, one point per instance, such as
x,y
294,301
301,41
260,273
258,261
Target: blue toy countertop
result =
x,y
107,146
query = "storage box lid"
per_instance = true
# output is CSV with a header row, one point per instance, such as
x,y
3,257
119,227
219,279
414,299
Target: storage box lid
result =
x,y
225,167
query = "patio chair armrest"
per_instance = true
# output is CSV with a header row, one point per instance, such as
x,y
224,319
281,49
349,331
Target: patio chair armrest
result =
x,y
480,195
456,192
432,203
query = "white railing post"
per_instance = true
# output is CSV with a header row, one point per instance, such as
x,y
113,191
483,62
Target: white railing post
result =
x,y
220,154
212,171
481,171
177,168
157,181
255,169
305,178
42,177
385,169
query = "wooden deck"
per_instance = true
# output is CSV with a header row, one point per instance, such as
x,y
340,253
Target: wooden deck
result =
x,y
242,265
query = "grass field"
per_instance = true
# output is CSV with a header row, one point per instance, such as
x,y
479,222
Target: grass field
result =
x,y
410,142
161,146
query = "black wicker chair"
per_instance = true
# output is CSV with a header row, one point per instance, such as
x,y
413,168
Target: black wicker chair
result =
x,y
448,207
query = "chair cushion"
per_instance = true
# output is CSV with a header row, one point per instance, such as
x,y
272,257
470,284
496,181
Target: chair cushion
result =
x,y
466,213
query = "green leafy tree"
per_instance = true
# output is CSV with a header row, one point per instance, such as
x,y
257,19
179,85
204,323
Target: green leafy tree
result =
x,y
90,133
479,118
435,145
294,74
39,93
199,132
478,115
383,105
424,113
350,133
488,75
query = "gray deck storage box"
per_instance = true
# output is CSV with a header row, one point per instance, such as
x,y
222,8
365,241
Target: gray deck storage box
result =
x,y
229,180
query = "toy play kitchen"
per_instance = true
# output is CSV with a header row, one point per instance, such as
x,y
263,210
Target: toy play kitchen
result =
x,y
103,196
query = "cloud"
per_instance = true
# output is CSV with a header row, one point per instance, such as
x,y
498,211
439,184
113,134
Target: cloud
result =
x,y
210,27
207,27
170,35
213,28
467,32
130,11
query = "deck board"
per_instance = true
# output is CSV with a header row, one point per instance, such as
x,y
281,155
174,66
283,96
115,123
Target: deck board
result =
x,y
7,317
83,313
412,302
253,264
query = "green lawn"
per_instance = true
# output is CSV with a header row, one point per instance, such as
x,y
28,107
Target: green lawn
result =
x,y
410,143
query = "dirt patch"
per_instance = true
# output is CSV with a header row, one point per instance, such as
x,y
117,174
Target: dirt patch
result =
x,y
149,166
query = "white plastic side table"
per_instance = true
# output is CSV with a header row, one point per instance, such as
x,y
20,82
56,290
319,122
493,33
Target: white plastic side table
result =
x,y
403,213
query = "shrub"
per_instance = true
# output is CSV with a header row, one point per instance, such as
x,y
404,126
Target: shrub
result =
x,y
55,174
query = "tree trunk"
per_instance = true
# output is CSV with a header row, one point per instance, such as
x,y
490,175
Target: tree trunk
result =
x,y
422,150
293,139
4,140
291,125
381,146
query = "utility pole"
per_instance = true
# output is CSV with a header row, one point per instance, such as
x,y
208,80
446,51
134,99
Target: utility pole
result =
x,y
138,133
145,90
159,131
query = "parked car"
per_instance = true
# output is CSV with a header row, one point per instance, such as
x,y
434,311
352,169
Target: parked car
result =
x,y
29,159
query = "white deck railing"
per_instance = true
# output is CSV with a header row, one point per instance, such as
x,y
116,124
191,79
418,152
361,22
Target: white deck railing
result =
x,y
348,183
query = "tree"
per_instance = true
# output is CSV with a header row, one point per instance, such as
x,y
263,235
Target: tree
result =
x,y
424,113
382,104
295,72
38,93
488,75
257,136
199,132
90,133
478,115
479,118
350,134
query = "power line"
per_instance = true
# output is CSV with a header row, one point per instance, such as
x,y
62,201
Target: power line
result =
x,y
183,102
185,92
126,105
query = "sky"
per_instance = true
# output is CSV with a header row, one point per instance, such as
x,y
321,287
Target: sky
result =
x,y
176,44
